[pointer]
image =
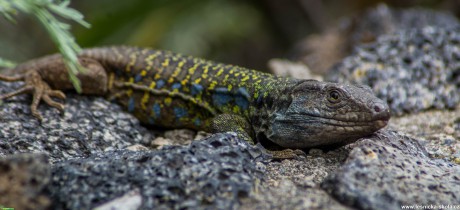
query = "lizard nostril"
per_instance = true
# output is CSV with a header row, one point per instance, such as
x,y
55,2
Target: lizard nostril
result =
x,y
377,108
381,111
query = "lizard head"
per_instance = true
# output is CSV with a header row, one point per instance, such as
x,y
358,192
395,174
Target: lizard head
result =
x,y
313,113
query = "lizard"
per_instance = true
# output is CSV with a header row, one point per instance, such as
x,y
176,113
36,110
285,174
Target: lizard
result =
x,y
169,90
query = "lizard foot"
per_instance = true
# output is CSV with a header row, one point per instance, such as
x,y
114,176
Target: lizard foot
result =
x,y
40,90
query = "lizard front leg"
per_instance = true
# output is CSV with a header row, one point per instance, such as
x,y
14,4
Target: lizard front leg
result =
x,y
46,77
40,90
232,123
239,125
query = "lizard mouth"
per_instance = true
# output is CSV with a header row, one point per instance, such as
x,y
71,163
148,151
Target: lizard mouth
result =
x,y
304,131
308,130
380,123
380,120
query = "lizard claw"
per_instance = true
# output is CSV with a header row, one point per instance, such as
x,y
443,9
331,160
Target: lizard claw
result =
x,y
38,88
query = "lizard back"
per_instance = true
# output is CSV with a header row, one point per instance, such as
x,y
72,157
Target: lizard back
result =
x,y
170,90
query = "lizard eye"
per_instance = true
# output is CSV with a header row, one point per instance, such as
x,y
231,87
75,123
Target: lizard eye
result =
x,y
334,96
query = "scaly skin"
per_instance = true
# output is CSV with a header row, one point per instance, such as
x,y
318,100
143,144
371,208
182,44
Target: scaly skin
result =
x,y
174,91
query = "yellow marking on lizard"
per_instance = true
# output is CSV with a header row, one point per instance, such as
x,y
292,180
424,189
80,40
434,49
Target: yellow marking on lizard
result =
x,y
220,72
111,79
132,61
212,85
245,78
217,67
168,101
176,71
149,59
184,81
265,94
146,97
152,85
236,109
191,71
176,58
130,91
144,100
204,75
197,81
225,78
164,65
131,80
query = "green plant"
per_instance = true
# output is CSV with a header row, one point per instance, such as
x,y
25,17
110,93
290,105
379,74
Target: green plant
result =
x,y
46,12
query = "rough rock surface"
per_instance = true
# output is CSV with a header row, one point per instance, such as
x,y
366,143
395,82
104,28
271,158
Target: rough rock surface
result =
x,y
294,183
23,178
383,20
437,130
390,170
89,125
321,52
213,173
413,70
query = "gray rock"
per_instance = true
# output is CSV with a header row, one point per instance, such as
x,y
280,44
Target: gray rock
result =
x,y
383,20
321,52
214,173
294,183
390,170
413,70
90,125
23,178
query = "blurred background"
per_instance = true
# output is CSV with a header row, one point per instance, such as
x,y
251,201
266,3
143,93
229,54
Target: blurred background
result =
x,y
246,33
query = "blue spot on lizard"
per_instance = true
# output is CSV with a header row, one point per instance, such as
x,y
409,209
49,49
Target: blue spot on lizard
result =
x,y
131,104
160,83
180,112
197,122
196,89
176,86
242,102
138,77
156,110
242,98
221,97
